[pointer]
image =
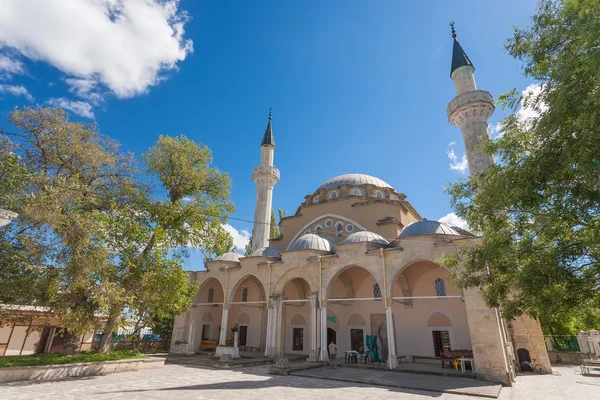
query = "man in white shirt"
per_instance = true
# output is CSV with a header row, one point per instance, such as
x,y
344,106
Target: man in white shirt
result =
x,y
332,354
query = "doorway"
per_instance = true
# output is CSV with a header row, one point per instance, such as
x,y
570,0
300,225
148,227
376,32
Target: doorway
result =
x,y
243,335
331,336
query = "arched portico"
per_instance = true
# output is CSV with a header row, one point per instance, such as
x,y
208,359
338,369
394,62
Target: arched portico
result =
x,y
205,314
430,313
355,306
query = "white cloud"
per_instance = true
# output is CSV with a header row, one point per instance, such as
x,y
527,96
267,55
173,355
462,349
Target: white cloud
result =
x,y
455,220
125,46
240,238
532,109
10,67
78,107
16,90
456,164
495,131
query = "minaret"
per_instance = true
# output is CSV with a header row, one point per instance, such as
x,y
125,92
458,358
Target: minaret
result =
x,y
470,109
265,176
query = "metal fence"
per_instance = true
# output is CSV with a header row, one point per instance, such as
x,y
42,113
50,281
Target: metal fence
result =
x,y
564,344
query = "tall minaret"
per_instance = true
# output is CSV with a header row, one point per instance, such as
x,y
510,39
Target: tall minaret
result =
x,y
265,176
470,109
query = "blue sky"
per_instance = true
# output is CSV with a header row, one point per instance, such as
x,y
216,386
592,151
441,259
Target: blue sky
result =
x,y
355,86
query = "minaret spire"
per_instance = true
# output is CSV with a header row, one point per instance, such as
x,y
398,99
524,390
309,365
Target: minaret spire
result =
x,y
459,57
265,176
470,109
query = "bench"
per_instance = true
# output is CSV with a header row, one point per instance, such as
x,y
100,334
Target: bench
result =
x,y
208,344
590,367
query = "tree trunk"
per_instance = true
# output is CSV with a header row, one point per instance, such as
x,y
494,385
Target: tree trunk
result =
x,y
107,334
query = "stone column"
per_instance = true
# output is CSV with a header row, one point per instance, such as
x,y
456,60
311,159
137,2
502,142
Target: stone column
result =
x,y
313,328
323,356
268,339
224,319
491,361
191,335
274,314
389,320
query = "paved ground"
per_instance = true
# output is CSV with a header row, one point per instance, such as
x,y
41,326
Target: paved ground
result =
x,y
186,382
408,381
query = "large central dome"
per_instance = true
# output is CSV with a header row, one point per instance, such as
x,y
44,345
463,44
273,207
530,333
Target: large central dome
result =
x,y
355,180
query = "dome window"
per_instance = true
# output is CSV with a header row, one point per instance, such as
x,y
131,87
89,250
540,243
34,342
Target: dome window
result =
x,y
318,229
334,195
379,194
356,192
328,223
339,228
349,228
315,199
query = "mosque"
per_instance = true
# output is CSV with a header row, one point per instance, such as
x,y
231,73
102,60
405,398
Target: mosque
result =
x,y
358,261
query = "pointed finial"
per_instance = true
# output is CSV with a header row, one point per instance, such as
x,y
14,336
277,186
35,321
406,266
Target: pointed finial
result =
x,y
270,113
453,31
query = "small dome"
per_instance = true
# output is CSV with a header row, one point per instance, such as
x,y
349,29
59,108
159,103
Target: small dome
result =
x,y
266,252
427,227
355,180
462,231
310,241
365,236
231,256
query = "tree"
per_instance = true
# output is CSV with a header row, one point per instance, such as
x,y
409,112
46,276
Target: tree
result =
x,y
116,235
538,210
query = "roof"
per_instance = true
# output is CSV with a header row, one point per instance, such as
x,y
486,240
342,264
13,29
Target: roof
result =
x,y
427,227
231,256
365,236
266,252
459,58
355,179
310,241
268,139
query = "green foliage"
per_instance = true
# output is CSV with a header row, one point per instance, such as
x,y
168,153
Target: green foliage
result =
x,y
56,359
97,234
162,326
539,208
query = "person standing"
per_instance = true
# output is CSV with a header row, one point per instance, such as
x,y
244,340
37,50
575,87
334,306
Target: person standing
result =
x,y
332,353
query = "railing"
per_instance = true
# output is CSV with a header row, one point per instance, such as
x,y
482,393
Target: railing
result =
x,y
563,344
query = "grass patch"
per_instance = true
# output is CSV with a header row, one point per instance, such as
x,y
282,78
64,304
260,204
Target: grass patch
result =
x,y
54,359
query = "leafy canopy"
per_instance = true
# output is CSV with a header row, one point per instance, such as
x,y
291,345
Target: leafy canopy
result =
x,y
539,208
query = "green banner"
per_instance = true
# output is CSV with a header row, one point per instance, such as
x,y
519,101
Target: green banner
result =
x,y
331,318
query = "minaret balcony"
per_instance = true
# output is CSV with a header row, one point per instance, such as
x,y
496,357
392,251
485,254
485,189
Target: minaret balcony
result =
x,y
266,173
474,103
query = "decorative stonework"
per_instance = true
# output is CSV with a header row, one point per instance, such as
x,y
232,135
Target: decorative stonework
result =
x,y
470,104
266,173
281,367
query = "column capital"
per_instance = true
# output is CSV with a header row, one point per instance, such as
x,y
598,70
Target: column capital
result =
x,y
313,299
275,300
226,306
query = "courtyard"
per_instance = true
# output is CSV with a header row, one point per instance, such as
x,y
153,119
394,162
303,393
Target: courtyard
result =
x,y
189,382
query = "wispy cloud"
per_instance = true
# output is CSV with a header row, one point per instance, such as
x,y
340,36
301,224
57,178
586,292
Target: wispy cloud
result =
x,y
455,220
10,67
456,163
16,90
240,237
81,108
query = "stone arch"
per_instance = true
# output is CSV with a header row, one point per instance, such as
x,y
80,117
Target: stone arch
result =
x,y
341,217
339,274
209,282
298,319
308,274
208,317
437,318
399,275
356,319
243,319
241,280
301,286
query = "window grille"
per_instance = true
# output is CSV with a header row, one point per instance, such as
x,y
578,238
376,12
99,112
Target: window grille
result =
x,y
441,342
211,295
245,294
377,292
440,287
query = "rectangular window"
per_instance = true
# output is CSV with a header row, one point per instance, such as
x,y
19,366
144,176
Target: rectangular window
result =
x,y
441,342
298,342
356,340
243,335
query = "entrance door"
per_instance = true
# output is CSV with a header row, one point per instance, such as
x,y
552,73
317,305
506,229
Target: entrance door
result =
x,y
331,335
356,340
205,332
243,334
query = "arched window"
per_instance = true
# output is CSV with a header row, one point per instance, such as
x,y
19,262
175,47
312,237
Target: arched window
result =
x,y
339,228
245,294
334,195
211,295
379,194
377,292
440,287
356,192
318,230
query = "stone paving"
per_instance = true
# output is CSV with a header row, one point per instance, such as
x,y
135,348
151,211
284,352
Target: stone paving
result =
x,y
408,381
188,382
